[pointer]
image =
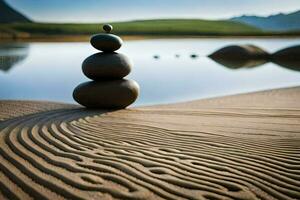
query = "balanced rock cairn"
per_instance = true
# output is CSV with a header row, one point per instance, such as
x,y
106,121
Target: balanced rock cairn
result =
x,y
107,69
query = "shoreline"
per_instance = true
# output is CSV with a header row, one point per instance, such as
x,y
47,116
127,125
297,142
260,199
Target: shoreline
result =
x,y
243,146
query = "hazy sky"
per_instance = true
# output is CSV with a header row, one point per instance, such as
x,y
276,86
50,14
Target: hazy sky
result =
x,y
120,10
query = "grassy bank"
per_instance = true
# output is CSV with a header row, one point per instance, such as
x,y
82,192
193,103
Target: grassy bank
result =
x,y
180,27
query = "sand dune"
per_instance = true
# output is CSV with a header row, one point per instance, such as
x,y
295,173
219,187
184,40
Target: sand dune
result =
x,y
237,147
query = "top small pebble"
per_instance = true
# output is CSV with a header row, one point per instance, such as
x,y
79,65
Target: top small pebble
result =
x,y
107,28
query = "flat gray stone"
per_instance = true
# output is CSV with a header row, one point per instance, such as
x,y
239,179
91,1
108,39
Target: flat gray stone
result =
x,y
106,42
101,66
111,94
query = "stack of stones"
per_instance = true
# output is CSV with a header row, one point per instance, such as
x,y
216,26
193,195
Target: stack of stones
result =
x,y
107,69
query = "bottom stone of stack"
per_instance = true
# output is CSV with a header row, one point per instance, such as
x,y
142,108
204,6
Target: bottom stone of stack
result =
x,y
108,94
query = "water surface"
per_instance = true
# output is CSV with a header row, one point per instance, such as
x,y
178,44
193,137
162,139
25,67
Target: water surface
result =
x,y
50,71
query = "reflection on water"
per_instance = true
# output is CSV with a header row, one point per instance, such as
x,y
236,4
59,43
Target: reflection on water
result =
x,y
238,63
50,71
11,55
289,64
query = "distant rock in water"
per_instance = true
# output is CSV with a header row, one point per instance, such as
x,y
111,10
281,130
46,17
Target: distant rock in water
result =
x,y
240,52
249,56
288,58
194,56
240,56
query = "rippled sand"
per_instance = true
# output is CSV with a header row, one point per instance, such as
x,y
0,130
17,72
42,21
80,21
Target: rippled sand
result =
x,y
237,147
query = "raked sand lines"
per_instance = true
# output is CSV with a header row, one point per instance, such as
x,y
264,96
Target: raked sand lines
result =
x,y
196,150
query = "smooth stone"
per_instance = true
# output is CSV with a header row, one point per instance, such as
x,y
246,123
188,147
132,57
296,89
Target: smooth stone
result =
x,y
106,66
290,54
240,52
107,28
112,94
106,42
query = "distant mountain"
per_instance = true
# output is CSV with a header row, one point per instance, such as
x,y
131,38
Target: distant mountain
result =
x,y
9,14
279,22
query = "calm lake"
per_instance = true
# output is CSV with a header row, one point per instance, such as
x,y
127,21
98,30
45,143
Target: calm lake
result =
x,y
50,71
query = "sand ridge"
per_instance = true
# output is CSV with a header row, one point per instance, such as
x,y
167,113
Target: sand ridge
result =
x,y
16,108
237,147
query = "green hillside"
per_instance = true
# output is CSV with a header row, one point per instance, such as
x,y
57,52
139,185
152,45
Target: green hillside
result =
x,y
147,27
174,27
184,27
